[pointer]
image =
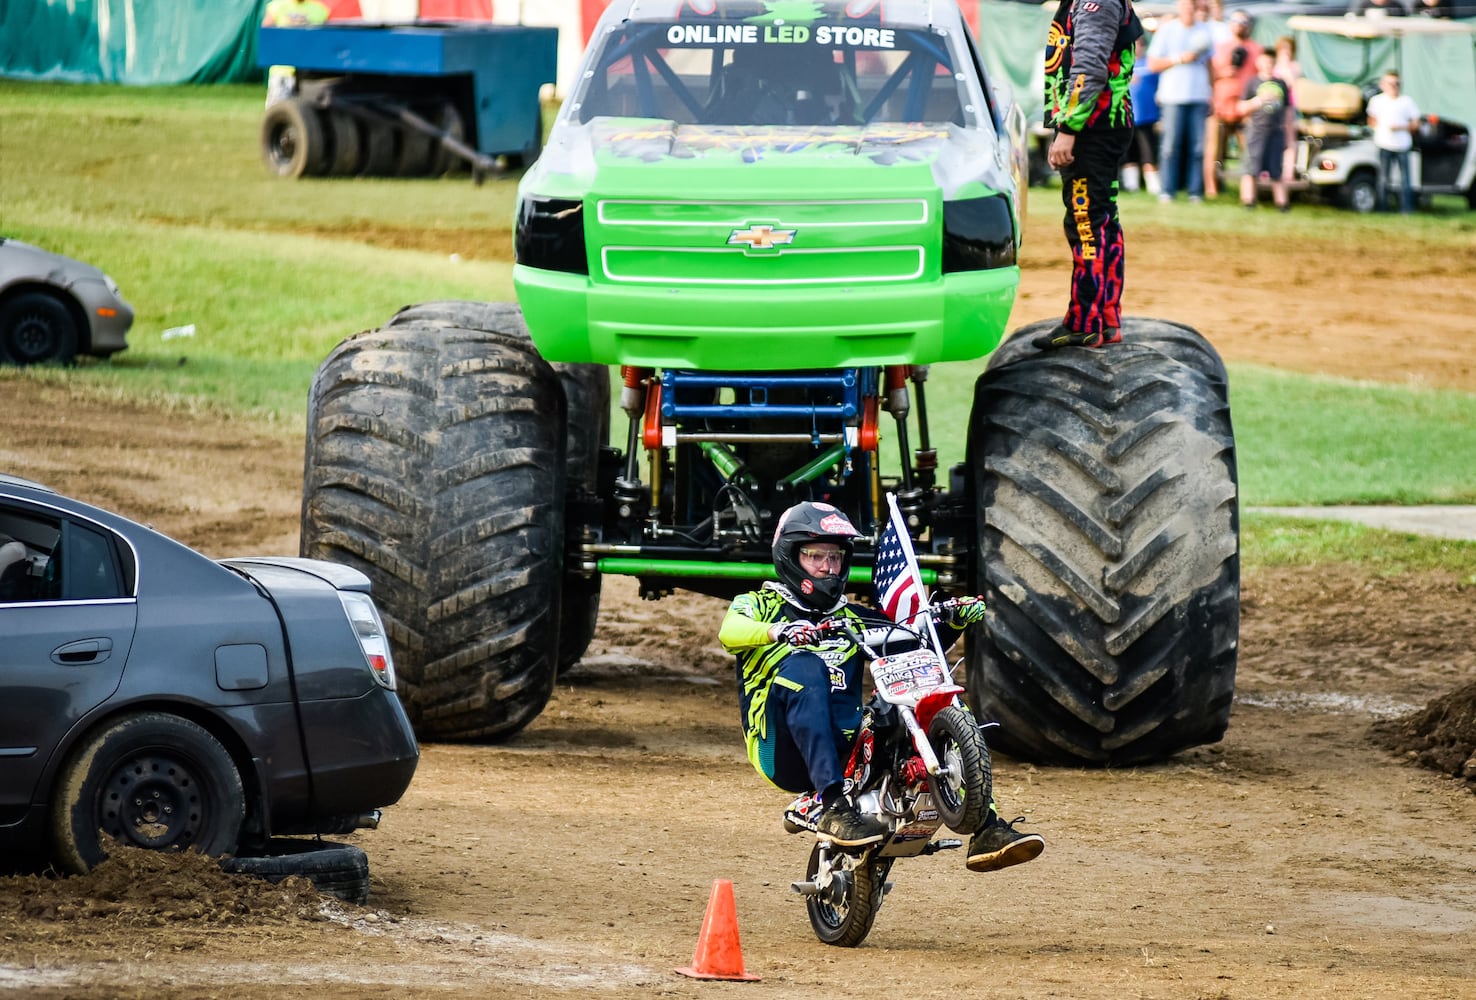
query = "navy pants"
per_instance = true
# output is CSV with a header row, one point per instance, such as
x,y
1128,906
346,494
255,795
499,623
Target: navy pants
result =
x,y
811,723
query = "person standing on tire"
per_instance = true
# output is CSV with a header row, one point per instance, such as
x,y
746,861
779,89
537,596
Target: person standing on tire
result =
x,y
282,80
1089,69
800,694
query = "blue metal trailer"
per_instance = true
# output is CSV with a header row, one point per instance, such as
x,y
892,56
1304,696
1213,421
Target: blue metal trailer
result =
x,y
406,100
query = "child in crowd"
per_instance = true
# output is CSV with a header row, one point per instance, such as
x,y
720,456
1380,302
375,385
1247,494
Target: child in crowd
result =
x,y
1264,107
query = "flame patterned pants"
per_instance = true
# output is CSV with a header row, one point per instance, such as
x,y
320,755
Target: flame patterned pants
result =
x,y
1093,231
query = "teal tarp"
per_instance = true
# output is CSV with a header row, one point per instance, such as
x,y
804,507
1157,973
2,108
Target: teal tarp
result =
x,y
130,41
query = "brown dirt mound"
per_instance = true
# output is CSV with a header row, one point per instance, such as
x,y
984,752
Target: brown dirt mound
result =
x,y
139,889
1441,736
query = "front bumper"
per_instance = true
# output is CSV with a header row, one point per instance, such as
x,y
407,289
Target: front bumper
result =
x,y
958,317
109,318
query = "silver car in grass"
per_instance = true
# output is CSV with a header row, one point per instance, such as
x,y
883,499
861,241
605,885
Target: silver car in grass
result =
x,y
53,308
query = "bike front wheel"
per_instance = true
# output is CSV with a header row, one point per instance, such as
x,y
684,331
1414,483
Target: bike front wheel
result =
x,y
842,913
963,786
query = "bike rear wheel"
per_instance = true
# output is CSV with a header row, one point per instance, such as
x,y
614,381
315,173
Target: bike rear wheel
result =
x,y
963,794
842,913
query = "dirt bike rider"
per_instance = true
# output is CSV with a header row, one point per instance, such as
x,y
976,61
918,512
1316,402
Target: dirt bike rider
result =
x,y
801,704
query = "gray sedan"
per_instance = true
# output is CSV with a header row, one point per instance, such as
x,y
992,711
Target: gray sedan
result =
x,y
160,699
53,308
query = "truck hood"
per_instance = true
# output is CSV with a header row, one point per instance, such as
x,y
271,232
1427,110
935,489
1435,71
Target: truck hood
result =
x,y
647,157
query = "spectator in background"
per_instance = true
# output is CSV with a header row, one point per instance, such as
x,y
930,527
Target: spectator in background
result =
x,y
1395,119
1232,67
282,80
1379,8
1141,166
1289,71
1434,8
1212,13
1264,106
1179,54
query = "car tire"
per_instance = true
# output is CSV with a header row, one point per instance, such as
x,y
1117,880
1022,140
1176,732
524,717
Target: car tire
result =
x,y
37,328
150,780
338,870
1360,192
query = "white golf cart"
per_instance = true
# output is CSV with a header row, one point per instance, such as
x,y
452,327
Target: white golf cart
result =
x,y
1436,61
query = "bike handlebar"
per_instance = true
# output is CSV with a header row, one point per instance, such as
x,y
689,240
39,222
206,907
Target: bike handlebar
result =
x,y
878,635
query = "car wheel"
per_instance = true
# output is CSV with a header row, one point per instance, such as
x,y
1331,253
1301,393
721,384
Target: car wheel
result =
x,y
149,780
1361,193
36,328
339,870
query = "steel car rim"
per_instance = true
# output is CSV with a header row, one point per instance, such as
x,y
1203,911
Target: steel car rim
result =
x,y
153,802
33,337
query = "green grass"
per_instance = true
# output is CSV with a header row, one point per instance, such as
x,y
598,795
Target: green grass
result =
x,y
1268,541
164,189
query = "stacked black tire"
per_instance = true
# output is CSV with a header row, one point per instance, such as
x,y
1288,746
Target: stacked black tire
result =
x,y
300,137
437,462
1107,547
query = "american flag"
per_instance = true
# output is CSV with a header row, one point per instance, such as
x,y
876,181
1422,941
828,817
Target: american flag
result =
x,y
898,583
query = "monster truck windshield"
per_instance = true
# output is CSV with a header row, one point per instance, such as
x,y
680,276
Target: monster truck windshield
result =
x,y
716,72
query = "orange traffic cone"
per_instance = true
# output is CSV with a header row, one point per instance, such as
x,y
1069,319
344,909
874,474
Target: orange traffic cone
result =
x,y
718,954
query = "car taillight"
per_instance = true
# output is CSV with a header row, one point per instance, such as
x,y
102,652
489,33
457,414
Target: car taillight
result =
x,y
550,235
978,234
369,630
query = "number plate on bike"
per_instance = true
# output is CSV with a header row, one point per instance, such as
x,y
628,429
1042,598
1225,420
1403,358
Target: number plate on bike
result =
x,y
909,671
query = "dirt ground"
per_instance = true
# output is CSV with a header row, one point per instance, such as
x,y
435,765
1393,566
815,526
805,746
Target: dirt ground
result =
x,y
1297,858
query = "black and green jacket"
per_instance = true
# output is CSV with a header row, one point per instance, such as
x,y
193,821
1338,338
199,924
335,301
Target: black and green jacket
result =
x,y
1089,64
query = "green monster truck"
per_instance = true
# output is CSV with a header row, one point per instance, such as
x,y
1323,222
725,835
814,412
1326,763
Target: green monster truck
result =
x,y
773,217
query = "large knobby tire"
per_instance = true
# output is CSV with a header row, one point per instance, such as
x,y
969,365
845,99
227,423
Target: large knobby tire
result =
x,y
1108,547
435,464
338,870
37,328
147,780
963,802
843,913
587,398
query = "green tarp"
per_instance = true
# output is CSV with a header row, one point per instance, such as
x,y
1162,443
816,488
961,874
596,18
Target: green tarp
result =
x,y
130,41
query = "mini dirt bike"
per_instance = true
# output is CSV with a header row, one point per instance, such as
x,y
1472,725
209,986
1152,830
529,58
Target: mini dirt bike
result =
x,y
919,762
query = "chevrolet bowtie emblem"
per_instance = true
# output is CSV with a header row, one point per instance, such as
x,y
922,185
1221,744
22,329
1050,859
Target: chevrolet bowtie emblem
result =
x,y
761,237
